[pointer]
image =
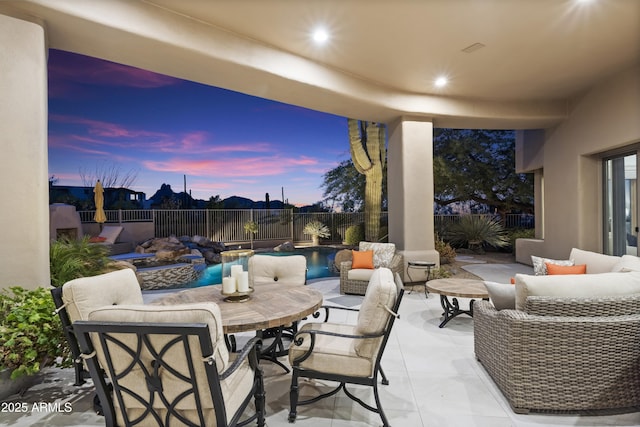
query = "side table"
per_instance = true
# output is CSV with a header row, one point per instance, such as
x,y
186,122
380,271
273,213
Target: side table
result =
x,y
420,265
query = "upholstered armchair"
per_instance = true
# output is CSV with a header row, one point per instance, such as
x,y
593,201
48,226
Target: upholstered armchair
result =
x,y
355,280
348,354
168,365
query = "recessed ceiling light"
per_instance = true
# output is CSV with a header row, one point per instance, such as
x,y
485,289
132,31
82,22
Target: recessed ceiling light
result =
x,y
441,81
320,35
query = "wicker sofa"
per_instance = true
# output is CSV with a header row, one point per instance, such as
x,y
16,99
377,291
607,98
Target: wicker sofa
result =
x,y
557,352
355,281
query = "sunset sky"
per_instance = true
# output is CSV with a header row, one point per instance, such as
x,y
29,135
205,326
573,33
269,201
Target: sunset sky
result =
x,y
162,128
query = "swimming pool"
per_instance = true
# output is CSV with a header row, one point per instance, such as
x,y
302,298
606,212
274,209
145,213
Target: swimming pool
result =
x,y
318,261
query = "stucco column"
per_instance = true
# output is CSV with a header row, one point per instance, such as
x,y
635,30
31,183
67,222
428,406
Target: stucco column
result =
x,y
410,190
24,221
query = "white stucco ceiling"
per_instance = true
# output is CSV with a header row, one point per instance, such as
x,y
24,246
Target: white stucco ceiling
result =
x,y
382,56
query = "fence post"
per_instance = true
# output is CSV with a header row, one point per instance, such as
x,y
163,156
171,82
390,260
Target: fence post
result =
x,y
292,228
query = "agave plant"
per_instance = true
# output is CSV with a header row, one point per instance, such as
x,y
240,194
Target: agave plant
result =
x,y
474,231
316,230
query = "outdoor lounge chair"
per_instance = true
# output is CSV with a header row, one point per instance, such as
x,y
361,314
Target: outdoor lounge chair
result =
x,y
168,365
355,280
348,354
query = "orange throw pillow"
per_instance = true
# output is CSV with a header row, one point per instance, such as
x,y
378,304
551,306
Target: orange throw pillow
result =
x,y
566,269
97,239
362,259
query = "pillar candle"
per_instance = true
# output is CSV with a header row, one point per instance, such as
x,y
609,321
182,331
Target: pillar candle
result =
x,y
243,282
228,285
236,270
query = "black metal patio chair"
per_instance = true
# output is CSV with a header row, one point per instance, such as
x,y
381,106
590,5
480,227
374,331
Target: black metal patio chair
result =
x,y
348,354
169,366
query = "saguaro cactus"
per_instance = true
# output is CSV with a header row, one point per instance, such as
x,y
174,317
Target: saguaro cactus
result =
x,y
368,152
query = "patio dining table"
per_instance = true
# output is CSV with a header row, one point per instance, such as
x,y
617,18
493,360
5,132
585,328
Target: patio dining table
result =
x,y
268,306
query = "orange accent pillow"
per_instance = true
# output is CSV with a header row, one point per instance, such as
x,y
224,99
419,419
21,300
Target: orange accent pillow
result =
x,y
97,239
362,259
566,269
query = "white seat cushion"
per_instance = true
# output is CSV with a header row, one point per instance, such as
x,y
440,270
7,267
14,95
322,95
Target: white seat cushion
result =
x,y
362,274
330,354
85,294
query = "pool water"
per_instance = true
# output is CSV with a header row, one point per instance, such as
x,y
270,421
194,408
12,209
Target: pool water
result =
x,y
318,261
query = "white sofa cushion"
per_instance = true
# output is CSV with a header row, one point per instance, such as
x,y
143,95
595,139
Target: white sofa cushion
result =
x,y
627,263
596,262
576,285
502,295
83,295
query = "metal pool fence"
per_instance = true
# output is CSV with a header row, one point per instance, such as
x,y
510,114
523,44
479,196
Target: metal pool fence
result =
x,y
227,225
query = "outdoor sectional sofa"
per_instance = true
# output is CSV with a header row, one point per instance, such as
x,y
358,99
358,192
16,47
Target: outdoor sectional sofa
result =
x,y
572,343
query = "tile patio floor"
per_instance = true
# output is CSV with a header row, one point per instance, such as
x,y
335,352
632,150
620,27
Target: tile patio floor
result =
x,y
435,381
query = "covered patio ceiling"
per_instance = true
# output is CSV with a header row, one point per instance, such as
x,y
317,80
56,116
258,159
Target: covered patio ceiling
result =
x,y
510,64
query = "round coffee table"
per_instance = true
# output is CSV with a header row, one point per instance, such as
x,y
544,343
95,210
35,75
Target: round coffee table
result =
x,y
462,288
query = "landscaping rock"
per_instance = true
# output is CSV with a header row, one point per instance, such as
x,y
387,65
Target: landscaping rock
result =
x,y
285,247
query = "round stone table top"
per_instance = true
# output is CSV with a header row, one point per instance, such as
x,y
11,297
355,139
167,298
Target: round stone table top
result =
x,y
269,306
464,288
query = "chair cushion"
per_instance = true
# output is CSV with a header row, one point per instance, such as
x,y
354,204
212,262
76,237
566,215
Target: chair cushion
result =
x,y
362,274
111,233
85,294
362,260
372,317
382,252
288,269
208,313
234,388
330,354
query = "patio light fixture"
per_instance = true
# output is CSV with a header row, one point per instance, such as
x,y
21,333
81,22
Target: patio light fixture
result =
x,y
320,36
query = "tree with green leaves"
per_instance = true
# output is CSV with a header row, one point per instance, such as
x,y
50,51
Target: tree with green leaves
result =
x,y
478,166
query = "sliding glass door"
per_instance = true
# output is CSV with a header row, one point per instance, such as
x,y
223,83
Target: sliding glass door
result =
x,y
621,205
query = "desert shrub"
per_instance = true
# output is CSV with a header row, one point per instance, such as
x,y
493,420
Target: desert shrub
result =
x,y
476,231
71,259
447,253
354,235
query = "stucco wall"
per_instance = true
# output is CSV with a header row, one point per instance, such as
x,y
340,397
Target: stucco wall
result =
x,y
24,253
605,118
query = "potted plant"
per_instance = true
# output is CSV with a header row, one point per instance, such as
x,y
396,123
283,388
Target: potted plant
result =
x,y
317,230
31,338
251,227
